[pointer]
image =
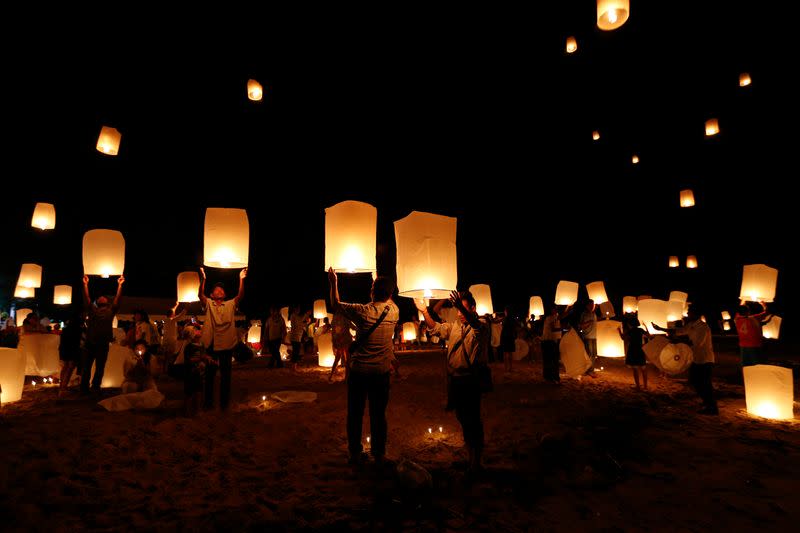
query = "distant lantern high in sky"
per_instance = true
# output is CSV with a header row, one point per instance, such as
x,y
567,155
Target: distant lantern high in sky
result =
x,y
611,14
254,90
674,262
109,140
712,127
572,45
635,159
744,79
44,216
687,198
691,262
30,276
595,135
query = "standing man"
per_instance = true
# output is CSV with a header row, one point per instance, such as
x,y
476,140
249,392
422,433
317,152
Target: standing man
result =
x,y
99,333
370,363
589,333
220,336
276,332
551,335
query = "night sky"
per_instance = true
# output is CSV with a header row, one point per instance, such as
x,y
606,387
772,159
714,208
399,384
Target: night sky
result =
x,y
480,115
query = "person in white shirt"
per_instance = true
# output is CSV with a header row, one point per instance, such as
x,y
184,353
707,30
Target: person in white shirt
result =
x,y
276,332
299,321
170,339
551,335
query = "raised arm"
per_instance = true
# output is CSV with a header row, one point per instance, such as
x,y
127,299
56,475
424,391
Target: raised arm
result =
x,y
422,308
117,297
333,281
240,295
87,301
472,318
201,292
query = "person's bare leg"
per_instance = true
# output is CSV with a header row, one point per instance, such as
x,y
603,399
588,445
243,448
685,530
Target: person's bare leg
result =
x,y
636,377
644,377
336,358
66,374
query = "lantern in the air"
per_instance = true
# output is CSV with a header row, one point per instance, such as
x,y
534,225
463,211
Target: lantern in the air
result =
x,y
350,229
483,299
630,304
188,287
30,276
674,262
12,375
759,283
687,198
712,127
409,331
108,141
536,307
426,255
772,329
103,253
635,159
769,391
566,292
44,216
726,315
62,295
726,326
744,79
24,292
611,14
572,45
655,311
691,262
609,342
678,296
254,91
597,292
320,309
595,135
226,238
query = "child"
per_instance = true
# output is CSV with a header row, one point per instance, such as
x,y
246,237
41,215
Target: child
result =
x,y
635,359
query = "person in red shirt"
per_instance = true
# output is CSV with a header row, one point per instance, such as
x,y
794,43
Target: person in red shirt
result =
x,y
751,337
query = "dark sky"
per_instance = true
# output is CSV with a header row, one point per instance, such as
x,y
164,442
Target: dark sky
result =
x,y
477,114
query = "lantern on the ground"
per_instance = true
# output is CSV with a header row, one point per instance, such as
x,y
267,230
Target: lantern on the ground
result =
x,y
712,127
24,292
726,326
226,238
572,44
769,391
409,331
597,292
674,262
635,159
320,309
254,90
691,262
566,292
188,287
426,255
655,311
325,346
350,229
611,14
254,333
22,314
678,296
30,276
726,315
62,295
772,329
609,342
759,283
103,253
595,135
12,375
687,198
744,79
108,141
483,298
44,216
536,307
629,304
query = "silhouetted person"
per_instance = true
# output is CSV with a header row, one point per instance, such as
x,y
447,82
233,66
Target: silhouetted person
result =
x,y
751,335
551,336
99,333
635,358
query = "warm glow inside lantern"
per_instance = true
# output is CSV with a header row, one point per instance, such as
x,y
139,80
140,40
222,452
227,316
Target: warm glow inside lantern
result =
x,y
744,79
483,298
712,127
566,292
426,255
24,292
611,14
597,292
691,262
609,343
12,375
772,329
255,91
635,159
188,287
22,314
108,141
536,307
595,135
726,326
409,331
653,310
325,346
320,309
678,296
674,262
103,253
226,238
350,229
687,198
62,295
254,333
769,391
630,304
572,44
726,315
30,276
759,283
44,216
674,310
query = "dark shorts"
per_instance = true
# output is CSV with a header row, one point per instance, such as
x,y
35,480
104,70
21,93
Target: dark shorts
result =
x,y
509,346
70,356
296,352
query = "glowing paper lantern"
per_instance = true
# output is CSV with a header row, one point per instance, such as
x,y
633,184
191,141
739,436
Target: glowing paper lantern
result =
x,y
30,276
759,283
226,238
409,331
726,315
44,216
607,310
769,391
691,262
566,292
726,326
744,79
772,329
674,262
536,307
630,304
611,14
24,292
597,292
483,299
254,90
609,343
595,135
114,373
62,295
678,296
12,375
285,316
350,229
325,345
426,255
687,198
103,253
108,141
254,333
635,159
653,310
572,44
674,310
712,127
41,354
115,323
22,314
188,287
320,309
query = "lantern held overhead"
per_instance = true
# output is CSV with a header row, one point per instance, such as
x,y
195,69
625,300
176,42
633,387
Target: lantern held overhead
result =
x,y
103,253
597,292
188,287
426,255
566,292
226,238
536,307
350,230
630,304
759,283
320,309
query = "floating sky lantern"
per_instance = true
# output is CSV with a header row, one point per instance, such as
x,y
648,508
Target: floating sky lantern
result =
x,y
566,292
674,262
635,159
226,238
536,307
188,287
611,14
108,141
712,127
772,329
255,91
572,44
691,262
726,326
409,331
769,391
687,198
426,255
629,304
759,283
726,315
350,229
320,309
12,375
744,79
44,216
24,292
609,342
595,135
483,298
30,276
103,253
597,292
678,296
62,295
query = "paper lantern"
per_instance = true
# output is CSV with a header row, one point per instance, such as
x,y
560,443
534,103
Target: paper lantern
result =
x,y
483,298
103,253
62,295
254,90
41,354
611,14
409,331
12,375
653,310
678,296
30,276
188,287
712,127
44,216
108,141
674,311
595,135
115,323
629,304
325,353
609,343
687,198
726,326
635,159
759,283
691,262
675,358
536,307
643,297
573,354
350,229
726,315
22,314
226,238
674,262
254,333
769,391
744,79
772,329
426,255
114,373
597,292
607,310
572,44
24,292
320,309
566,292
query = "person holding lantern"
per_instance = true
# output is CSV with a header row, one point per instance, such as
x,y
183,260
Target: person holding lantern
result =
x,y
99,333
751,335
276,332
